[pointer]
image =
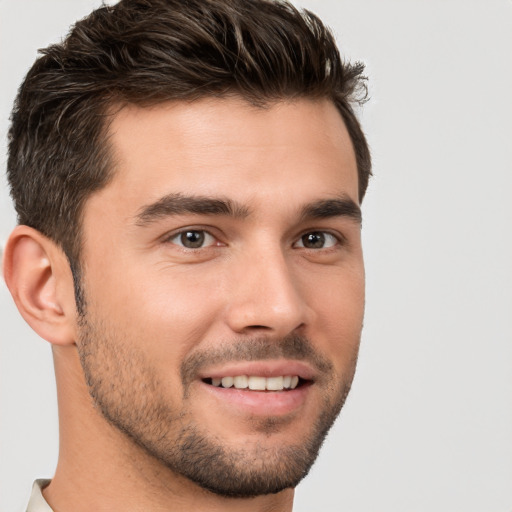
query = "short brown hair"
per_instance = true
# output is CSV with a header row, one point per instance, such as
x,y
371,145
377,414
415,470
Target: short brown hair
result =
x,y
149,51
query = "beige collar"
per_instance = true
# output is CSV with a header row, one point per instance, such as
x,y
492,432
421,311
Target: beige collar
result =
x,y
37,503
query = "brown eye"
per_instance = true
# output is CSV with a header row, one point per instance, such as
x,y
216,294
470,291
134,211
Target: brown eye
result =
x,y
313,240
317,240
193,239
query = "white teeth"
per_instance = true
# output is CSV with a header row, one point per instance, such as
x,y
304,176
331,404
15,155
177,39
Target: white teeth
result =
x,y
241,381
257,383
275,383
227,382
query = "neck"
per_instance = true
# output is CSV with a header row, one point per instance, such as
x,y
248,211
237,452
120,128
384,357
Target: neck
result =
x,y
101,469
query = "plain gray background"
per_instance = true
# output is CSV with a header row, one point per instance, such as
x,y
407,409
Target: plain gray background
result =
x,y
428,426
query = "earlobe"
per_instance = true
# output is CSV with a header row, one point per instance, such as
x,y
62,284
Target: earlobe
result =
x,y
37,274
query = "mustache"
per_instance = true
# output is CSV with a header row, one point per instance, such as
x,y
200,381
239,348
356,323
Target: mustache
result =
x,y
294,346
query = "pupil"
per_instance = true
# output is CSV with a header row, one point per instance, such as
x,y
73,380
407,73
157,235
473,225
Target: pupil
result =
x,y
314,240
192,239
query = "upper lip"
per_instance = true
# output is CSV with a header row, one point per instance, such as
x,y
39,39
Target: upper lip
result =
x,y
269,368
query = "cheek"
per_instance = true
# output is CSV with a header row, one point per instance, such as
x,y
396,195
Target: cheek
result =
x,y
165,312
337,295
339,311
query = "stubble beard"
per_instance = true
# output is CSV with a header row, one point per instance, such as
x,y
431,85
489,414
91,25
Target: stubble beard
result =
x,y
127,392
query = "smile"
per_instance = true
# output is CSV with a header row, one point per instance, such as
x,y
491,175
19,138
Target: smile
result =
x,y
260,388
256,382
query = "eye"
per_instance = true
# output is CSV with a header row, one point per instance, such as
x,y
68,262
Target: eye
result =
x,y
317,240
193,239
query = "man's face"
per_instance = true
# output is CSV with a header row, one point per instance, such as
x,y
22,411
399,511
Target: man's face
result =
x,y
225,249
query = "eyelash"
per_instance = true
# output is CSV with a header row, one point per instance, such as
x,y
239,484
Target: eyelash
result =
x,y
177,235
336,238
339,239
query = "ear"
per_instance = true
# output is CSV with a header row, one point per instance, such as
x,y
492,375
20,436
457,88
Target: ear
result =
x,y
39,278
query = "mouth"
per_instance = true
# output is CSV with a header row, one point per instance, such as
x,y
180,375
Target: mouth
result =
x,y
261,388
257,382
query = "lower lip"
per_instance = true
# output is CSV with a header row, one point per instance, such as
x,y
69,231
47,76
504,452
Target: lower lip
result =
x,y
260,403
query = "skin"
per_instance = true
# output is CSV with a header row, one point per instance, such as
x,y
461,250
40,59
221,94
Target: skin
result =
x,y
159,304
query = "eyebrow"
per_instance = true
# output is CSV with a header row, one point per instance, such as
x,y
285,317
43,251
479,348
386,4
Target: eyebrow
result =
x,y
179,204
342,206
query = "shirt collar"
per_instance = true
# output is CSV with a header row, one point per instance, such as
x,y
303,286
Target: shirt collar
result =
x,y
37,503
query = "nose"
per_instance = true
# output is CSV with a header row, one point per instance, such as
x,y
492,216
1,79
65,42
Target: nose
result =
x,y
266,296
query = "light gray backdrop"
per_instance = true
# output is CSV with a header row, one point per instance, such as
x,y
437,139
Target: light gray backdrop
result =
x,y
428,426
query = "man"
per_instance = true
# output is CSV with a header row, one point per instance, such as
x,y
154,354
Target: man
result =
x,y
188,179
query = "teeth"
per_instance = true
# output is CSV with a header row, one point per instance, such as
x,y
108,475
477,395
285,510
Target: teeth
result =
x,y
275,383
227,382
241,382
257,383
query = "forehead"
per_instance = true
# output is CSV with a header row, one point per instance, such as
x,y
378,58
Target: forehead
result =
x,y
229,147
